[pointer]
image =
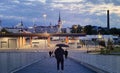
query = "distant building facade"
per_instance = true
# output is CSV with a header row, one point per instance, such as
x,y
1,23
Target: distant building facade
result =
x,y
48,29
51,28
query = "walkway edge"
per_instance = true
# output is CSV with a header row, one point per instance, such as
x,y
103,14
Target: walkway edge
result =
x,y
89,66
24,66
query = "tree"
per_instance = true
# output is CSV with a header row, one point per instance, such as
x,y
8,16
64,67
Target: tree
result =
x,y
79,29
103,31
88,29
4,31
114,31
73,30
76,29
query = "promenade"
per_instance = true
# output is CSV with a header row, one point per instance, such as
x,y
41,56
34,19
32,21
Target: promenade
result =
x,y
38,61
48,65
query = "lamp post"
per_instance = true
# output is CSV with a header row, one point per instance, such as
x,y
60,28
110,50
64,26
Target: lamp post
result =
x,y
99,38
76,26
0,23
45,33
44,16
34,25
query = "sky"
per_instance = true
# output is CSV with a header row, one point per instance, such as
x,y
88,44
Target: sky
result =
x,y
82,12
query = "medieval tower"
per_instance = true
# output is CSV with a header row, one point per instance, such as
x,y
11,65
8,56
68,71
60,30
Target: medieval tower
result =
x,y
59,24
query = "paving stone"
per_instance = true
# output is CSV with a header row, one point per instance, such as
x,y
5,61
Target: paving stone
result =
x,y
48,65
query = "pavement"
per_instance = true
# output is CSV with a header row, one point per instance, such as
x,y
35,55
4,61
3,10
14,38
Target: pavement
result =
x,y
48,65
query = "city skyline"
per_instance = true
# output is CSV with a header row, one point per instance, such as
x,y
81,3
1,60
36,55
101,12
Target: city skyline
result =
x,y
83,12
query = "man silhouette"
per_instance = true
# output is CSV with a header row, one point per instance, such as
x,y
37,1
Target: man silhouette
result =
x,y
50,53
59,55
66,53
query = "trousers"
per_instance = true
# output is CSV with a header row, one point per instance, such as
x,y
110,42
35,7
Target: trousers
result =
x,y
60,62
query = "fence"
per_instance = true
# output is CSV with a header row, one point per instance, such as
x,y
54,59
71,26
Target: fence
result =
x,y
109,63
11,61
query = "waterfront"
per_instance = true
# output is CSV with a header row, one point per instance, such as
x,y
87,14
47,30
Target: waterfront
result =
x,y
12,61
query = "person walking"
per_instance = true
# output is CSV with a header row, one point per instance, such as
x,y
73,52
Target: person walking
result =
x,y
59,55
66,53
50,53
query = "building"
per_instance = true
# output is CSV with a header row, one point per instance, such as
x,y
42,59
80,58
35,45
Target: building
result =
x,y
51,28
21,40
19,28
48,29
40,36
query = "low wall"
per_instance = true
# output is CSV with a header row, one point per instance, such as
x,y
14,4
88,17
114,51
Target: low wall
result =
x,y
11,61
108,63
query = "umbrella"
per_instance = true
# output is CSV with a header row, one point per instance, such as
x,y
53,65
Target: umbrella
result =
x,y
62,45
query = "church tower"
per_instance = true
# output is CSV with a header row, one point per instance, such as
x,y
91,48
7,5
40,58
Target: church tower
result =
x,y
108,20
59,24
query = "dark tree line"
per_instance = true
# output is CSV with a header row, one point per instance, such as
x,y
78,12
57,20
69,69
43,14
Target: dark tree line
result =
x,y
76,29
88,29
4,31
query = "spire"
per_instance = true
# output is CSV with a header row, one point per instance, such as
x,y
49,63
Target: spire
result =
x,y
0,22
59,18
50,25
21,23
59,24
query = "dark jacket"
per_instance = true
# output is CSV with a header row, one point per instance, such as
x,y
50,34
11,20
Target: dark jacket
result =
x,y
66,52
59,52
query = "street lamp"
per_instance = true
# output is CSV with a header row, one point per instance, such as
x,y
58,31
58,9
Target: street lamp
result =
x,y
34,25
44,16
45,34
99,36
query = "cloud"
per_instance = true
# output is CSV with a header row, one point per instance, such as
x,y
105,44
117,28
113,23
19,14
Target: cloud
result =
x,y
28,3
12,17
62,1
41,1
16,1
88,7
72,11
101,9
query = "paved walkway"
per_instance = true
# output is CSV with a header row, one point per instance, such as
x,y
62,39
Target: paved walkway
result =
x,y
48,65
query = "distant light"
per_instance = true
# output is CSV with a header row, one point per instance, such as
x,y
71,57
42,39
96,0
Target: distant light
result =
x,y
30,27
44,15
75,26
99,36
46,34
3,32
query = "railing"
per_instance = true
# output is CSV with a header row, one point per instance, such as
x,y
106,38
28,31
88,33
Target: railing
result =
x,y
108,63
12,61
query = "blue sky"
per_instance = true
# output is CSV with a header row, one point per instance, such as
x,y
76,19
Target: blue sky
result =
x,y
83,12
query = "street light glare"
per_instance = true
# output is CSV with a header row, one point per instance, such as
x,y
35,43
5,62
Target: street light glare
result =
x,y
44,15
